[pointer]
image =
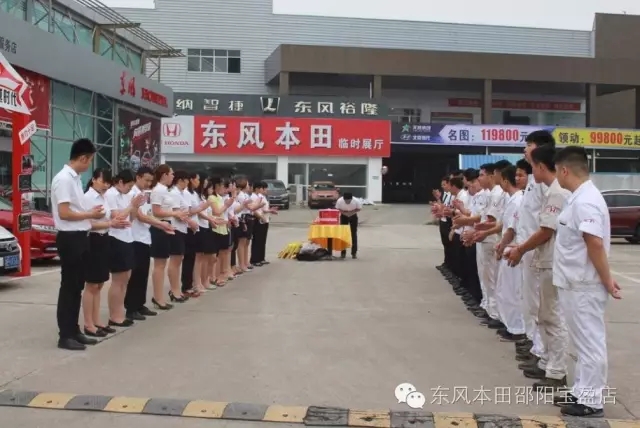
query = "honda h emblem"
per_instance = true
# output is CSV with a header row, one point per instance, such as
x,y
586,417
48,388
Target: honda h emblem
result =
x,y
171,129
270,104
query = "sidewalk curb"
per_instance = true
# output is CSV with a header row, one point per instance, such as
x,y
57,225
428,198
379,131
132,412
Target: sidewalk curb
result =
x,y
309,416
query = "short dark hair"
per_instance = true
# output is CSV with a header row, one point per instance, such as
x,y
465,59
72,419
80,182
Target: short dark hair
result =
x,y
82,147
125,176
445,178
143,170
524,165
501,164
456,172
509,174
471,174
544,155
488,168
260,185
573,157
179,176
347,195
541,138
457,182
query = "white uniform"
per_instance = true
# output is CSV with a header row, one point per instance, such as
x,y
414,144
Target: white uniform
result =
x,y
528,224
583,297
508,295
484,199
179,201
120,202
139,229
463,196
92,199
489,262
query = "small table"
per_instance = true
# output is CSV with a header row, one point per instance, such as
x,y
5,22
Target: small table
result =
x,y
330,236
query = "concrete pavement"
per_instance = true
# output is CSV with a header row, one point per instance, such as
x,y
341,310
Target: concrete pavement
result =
x,y
341,334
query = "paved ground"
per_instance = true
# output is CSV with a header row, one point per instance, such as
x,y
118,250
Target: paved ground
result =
x,y
326,334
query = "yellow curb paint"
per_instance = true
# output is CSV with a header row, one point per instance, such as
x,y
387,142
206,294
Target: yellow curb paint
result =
x,y
48,400
126,405
291,414
204,409
542,421
454,420
369,418
618,423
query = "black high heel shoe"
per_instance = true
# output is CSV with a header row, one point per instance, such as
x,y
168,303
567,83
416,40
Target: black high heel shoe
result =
x,y
164,307
98,333
180,299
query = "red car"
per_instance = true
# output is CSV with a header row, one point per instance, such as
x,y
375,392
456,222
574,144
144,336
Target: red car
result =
x,y
624,211
43,234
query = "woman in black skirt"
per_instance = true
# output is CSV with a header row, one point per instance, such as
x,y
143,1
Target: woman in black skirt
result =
x,y
191,285
97,263
207,244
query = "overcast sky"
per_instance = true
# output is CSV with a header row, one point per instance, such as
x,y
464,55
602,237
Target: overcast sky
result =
x,y
566,14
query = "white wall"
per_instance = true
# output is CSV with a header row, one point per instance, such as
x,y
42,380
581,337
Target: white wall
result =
x,y
374,180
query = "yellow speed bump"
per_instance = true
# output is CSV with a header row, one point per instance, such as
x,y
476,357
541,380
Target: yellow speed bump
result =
x,y
48,400
204,409
543,422
126,405
369,418
291,414
454,420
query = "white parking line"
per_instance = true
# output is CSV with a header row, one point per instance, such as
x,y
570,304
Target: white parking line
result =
x,y
627,277
38,273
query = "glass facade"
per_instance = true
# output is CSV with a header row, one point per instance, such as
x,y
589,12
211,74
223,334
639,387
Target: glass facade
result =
x,y
255,171
347,177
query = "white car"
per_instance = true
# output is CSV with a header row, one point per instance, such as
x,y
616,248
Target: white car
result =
x,y
10,253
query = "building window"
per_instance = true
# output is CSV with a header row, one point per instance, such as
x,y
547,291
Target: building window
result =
x,y
17,8
405,115
213,61
40,17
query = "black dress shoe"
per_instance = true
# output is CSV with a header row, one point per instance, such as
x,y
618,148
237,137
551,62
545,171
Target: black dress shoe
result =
x,y
495,324
534,373
135,316
106,328
353,256
147,312
71,345
97,333
264,262
84,340
580,410
125,323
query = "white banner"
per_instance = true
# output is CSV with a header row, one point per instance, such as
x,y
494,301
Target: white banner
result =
x,y
177,134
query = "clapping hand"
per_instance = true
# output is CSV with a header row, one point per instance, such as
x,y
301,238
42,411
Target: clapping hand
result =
x,y
96,212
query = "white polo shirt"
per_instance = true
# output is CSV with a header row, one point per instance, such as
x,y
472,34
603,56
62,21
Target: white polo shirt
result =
x,y
160,196
510,208
585,212
194,202
553,204
242,196
530,209
139,229
203,222
119,201
463,196
179,201
446,201
66,187
478,204
355,204
92,199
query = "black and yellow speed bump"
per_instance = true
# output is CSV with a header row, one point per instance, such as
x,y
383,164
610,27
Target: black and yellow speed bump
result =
x,y
310,416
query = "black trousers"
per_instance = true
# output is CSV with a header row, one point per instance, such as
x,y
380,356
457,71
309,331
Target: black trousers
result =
x,y
444,238
73,250
136,296
259,242
458,257
353,225
472,283
188,261
235,234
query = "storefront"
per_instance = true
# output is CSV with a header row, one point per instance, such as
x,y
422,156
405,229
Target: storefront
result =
x,y
422,153
297,151
75,93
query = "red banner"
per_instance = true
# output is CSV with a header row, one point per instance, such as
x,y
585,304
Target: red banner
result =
x,y
37,97
291,136
517,104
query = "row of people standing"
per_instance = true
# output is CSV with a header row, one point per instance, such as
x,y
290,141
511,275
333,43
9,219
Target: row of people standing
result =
x,y
526,247
201,233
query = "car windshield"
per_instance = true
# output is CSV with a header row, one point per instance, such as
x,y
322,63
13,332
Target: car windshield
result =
x,y
324,186
276,185
5,204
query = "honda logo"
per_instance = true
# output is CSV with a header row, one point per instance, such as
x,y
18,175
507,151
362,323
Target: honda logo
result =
x,y
171,129
270,104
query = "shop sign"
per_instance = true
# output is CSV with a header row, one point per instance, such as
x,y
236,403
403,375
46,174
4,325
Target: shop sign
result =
x,y
138,140
273,136
517,104
128,86
8,45
510,135
284,106
37,97
12,89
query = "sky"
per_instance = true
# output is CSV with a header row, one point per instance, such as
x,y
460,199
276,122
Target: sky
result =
x,y
561,14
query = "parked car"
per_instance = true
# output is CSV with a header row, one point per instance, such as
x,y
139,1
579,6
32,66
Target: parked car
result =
x,y
10,253
277,194
624,211
322,194
43,233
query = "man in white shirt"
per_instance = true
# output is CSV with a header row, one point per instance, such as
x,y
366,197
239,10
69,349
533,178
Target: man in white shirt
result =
x,y
72,221
551,368
442,200
528,224
583,277
460,202
349,209
261,225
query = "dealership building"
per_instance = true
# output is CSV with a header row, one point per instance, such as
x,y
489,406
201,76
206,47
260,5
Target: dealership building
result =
x,y
86,66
